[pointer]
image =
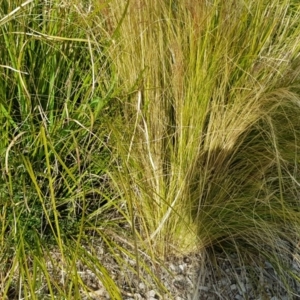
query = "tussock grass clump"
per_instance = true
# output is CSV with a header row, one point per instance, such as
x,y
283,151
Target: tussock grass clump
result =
x,y
209,133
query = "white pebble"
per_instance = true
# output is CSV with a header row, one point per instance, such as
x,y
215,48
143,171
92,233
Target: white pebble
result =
x,y
150,294
142,285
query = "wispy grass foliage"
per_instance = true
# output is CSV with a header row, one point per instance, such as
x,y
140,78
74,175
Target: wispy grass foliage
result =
x,y
172,126
209,133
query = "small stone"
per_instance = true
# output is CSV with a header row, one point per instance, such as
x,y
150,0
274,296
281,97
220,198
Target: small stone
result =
x,y
223,282
172,267
142,286
203,288
150,294
182,267
132,262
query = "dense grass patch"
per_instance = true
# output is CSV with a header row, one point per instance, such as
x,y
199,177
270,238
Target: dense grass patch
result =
x,y
171,125
54,153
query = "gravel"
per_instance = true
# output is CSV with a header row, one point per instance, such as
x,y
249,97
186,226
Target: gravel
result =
x,y
194,277
188,278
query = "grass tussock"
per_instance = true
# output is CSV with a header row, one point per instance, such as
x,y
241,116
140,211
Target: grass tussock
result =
x,y
209,132
168,126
